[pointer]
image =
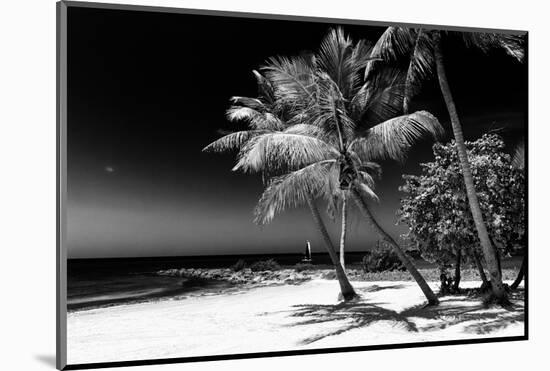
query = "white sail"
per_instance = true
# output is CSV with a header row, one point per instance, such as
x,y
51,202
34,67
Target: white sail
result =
x,y
307,254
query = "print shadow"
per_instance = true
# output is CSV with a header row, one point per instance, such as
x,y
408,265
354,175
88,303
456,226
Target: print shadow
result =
x,y
452,311
46,359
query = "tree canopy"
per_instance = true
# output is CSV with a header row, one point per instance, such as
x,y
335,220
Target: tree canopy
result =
x,y
435,205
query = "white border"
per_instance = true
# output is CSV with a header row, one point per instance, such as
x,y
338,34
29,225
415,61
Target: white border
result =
x,y
27,119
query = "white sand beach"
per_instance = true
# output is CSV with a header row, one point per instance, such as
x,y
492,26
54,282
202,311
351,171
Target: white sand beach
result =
x,y
278,318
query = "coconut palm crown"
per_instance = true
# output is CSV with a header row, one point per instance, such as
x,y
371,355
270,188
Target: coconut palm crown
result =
x,y
337,126
416,48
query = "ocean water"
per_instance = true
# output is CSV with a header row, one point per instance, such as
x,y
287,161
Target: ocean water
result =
x,y
93,283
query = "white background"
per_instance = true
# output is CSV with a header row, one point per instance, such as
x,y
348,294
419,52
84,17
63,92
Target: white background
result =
x,y
27,168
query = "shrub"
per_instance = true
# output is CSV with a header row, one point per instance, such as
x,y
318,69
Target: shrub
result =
x,y
265,265
380,260
435,205
300,267
239,265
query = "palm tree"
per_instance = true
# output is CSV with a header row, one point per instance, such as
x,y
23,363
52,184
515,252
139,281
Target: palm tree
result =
x,y
325,91
265,115
423,49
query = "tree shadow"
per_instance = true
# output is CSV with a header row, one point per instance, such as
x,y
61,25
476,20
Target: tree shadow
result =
x,y
353,315
517,294
376,288
452,311
484,319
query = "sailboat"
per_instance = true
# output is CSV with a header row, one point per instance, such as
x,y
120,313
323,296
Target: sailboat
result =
x,y
307,255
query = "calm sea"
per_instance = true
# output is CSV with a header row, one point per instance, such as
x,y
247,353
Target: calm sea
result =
x,y
96,283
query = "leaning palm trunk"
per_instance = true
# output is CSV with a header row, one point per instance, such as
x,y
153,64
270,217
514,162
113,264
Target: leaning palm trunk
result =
x,y
344,230
489,251
346,289
520,276
432,299
480,269
493,243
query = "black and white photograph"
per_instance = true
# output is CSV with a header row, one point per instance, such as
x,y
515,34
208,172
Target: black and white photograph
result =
x,y
250,184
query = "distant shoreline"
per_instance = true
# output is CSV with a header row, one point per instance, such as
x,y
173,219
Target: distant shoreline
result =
x,y
291,276
184,283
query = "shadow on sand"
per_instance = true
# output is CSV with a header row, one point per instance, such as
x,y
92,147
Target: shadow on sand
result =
x,y
376,288
453,310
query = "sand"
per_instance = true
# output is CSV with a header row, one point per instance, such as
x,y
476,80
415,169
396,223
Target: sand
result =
x,y
279,318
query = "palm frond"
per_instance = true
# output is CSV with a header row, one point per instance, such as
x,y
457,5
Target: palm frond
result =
x,y
265,89
366,178
340,59
518,159
371,168
240,113
292,190
393,138
380,98
329,110
514,45
335,48
255,119
309,130
486,41
394,44
421,64
361,56
282,151
293,78
366,190
252,103
232,141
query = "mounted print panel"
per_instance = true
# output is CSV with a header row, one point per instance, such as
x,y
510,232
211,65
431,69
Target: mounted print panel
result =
x,y
240,185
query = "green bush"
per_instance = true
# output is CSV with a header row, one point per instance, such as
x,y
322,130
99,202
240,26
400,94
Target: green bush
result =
x,y
300,267
265,265
381,260
239,265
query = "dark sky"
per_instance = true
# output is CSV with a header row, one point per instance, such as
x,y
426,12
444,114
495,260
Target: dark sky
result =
x,y
147,91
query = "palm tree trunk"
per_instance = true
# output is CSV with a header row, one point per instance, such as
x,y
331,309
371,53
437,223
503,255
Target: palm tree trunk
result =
x,y
344,228
432,299
457,270
493,243
499,263
480,268
520,275
346,289
489,251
